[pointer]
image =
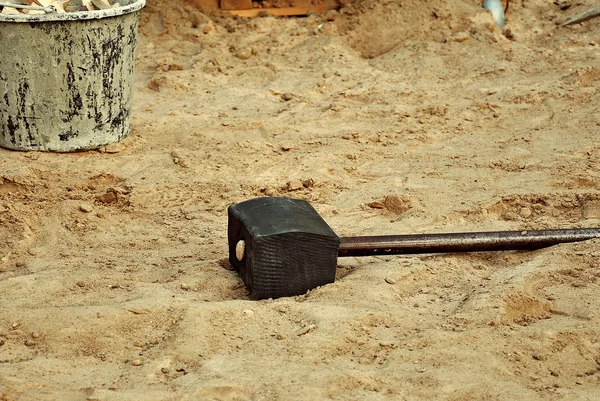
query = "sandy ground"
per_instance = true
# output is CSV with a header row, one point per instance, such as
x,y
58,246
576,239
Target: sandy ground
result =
x,y
390,117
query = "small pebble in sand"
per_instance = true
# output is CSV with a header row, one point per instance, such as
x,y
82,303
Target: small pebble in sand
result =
x,y
539,357
35,334
136,362
165,370
306,330
271,192
591,210
295,185
397,204
287,96
525,213
207,28
331,15
390,280
30,343
248,312
85,207
185,287
458,37
244,53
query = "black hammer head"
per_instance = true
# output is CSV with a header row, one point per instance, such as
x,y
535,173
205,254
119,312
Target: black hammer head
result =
x,y
281,247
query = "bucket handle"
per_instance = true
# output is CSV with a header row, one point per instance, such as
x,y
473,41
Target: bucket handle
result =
x,y
47,10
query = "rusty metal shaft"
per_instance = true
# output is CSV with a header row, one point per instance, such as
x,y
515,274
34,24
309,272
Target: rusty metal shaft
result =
x,y
462,242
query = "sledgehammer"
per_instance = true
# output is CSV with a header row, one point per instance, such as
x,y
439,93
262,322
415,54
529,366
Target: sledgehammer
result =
x,y
281,247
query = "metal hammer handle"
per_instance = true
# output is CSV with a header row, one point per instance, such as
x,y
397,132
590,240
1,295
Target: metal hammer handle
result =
x,y
462,242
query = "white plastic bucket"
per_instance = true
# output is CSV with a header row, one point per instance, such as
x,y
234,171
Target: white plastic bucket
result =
x,y
66,80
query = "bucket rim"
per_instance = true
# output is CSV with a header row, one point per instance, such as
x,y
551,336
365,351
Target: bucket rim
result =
x,y
135,5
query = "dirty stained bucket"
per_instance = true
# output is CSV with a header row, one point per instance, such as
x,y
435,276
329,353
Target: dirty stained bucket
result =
x,y
66,80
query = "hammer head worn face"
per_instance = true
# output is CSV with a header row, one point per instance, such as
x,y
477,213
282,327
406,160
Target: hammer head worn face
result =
x,y
281,247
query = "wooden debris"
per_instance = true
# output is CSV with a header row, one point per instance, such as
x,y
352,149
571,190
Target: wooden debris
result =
x,y
30,3
73,5
87,6
61,6
10,10
236,4
101,4
47,3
